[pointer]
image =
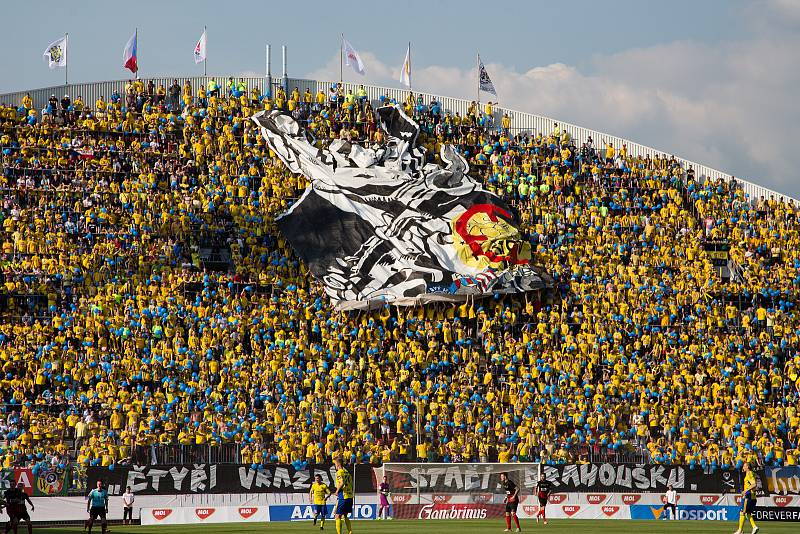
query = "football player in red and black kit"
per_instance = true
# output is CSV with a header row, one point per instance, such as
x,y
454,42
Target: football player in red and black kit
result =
x,y
543,489
15,506
511,501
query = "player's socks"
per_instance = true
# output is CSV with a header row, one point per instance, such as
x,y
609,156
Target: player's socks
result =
x,y
741,522
516,521
338,525
347,524
753,523
508,522
322,523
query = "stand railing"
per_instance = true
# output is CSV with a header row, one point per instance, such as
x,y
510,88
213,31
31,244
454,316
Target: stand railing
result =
x,y
90,92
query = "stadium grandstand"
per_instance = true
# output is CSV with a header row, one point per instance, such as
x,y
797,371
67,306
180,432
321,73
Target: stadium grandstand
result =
x,y
152,311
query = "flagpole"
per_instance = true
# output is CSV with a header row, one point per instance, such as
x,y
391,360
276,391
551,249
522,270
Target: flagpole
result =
x,y
410,86
478,101
66,58
136,40
341,60
205,58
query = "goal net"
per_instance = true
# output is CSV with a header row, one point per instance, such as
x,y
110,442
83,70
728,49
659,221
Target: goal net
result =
x,y
452,491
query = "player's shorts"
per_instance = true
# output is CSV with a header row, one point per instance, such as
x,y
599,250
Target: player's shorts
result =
x,y
321,509
18,513
511,507
542,501
748,505
344,507
97,511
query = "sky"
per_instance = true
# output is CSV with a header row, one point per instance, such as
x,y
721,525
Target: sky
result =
x,y
713,81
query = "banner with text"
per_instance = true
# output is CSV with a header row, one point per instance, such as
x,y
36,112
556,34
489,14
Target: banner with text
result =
x,y
619,478
220,478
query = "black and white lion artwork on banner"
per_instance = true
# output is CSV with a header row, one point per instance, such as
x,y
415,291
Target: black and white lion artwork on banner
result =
x,y
381,225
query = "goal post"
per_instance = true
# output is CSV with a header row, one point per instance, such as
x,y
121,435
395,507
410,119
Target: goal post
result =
x,y
453,491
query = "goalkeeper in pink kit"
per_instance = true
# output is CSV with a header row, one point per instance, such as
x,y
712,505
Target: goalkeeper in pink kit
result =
x,y
383,508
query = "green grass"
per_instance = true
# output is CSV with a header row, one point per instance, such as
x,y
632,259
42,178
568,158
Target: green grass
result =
x,y
556,526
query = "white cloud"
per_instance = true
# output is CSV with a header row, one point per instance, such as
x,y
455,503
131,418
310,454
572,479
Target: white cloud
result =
x,y
731,105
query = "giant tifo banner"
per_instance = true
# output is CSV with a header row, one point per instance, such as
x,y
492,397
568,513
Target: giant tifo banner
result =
x,y
386,224
219,478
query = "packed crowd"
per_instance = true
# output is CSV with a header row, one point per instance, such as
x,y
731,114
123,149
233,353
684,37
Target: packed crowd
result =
x,y
148,299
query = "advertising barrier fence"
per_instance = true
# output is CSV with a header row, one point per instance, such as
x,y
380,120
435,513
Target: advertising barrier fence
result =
x,y
203,493
774,513
189,515
521,121
712,507
219,508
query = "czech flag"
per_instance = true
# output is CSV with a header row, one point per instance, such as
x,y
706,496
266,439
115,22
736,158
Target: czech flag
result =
x,y
129,56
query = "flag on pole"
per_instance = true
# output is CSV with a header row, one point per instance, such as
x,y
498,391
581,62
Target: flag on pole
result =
x,y
129,55
351,57
200,49
484,81
56,53
405,74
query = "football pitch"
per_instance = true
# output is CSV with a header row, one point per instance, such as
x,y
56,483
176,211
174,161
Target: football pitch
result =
x,y
557,526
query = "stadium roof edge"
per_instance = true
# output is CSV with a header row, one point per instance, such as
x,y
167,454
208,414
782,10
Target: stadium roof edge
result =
x,y
522,120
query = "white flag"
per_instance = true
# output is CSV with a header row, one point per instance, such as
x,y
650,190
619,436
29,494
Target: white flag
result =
x,y
484,82
200,49
405,74
351,57
56,53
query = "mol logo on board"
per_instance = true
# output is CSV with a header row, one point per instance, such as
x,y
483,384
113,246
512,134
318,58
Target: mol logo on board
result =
x,y
782,500
203,513
159,514
401,498
530,509
709,500
595,498
571,509
631,498
610,510
247,512
441,498
557,498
